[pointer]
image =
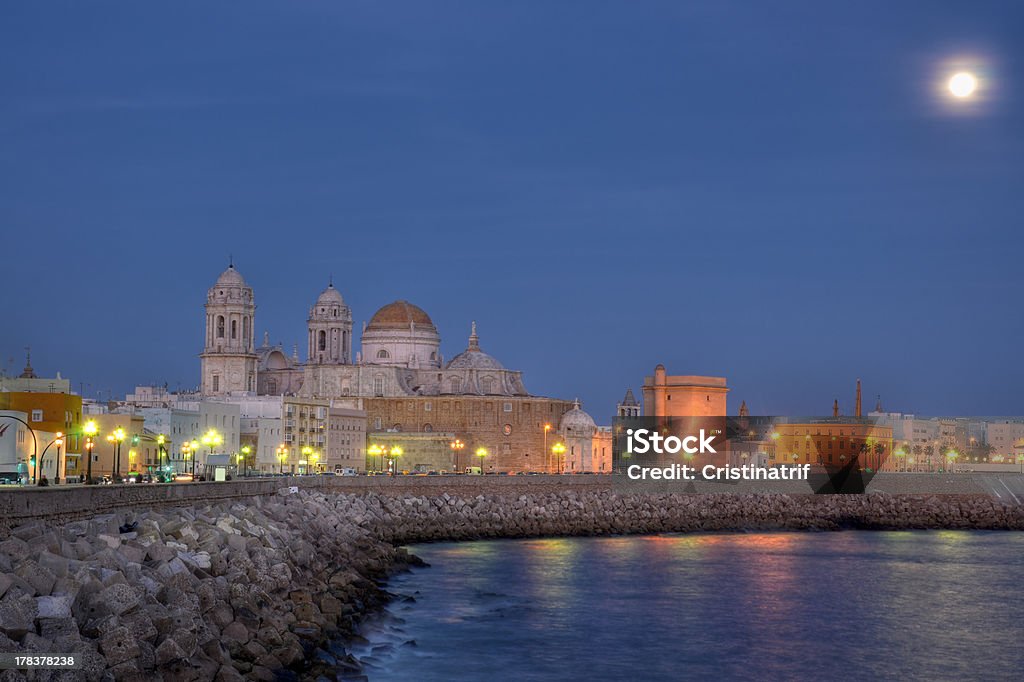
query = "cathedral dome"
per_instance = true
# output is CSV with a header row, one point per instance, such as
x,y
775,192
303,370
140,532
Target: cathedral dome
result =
x,y
230,277
577,421
399,315
330,296
473,357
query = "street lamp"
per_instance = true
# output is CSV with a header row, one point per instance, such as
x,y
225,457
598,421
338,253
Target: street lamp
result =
x,y
161,453
58,441
90,430
282,455
244,456
547,427
558,449
211,439
481,453
307,452
115,439
395,452
457,446
377,451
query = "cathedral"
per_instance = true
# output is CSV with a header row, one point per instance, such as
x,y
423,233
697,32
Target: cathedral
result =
x,y
410,394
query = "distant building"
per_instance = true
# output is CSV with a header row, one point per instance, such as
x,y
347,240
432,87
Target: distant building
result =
x,y
666,395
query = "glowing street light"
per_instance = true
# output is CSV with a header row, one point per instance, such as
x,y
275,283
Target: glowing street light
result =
x,y
116,438
58,440
89,430
210,439
558,449
243,457
456,446
376,451
394,454
481,453
282,455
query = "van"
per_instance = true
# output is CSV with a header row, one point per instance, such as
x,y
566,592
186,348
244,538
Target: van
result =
x,y
473,471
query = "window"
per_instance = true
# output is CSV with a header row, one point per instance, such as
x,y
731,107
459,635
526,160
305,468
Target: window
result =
x,y
220,326
37,415
234,329
378,385
377,423
428,428
428,406
383,354
322,340
507,407
216,383
486,384
456,384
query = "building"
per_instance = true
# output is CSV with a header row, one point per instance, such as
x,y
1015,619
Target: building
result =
x,y
229,354
346,439
835,441
399,379
666,395
50,409
1006,437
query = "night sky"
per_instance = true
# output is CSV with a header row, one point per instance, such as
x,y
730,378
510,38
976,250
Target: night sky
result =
x,y
779,193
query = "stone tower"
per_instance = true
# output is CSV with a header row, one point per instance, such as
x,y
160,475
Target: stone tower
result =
x,y
330,330
229,359
856,408
630,406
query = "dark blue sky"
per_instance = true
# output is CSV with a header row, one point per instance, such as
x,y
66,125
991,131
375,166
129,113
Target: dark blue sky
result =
x,y
774,192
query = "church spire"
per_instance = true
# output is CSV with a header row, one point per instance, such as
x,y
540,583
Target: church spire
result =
x,y
835,407
856,408
878,405
744,410
474,340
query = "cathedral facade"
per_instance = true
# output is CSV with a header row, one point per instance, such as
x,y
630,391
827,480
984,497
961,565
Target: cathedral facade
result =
x,y
412,396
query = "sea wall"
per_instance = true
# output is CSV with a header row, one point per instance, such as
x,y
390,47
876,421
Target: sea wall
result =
x,y
268,587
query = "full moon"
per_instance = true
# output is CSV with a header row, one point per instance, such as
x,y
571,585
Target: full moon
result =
x,y
963,84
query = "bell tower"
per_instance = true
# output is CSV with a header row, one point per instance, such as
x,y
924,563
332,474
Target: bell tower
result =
x,y
330,330
228,359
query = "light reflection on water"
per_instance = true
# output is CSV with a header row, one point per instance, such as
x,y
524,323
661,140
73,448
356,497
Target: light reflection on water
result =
x,y
850,605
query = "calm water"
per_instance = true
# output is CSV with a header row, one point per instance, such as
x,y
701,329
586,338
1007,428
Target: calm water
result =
x,y
861,605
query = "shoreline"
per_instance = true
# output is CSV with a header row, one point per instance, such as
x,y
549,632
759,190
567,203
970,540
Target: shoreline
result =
x,y
270,587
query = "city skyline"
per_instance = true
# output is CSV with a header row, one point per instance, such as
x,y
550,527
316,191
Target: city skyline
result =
x,y
602,190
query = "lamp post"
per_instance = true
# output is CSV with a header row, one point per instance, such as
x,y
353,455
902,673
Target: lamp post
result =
x,y
282,455
307,452
58,441
245,458
481,453
115,439
376,451
395,452
161,453
558,449
211,439
186,450
456,446
547,427
89,430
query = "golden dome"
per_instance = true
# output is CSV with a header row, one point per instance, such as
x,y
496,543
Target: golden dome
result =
x,y
399,315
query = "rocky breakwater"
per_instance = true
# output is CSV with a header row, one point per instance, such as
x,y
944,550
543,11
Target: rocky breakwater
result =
x,y
253,590
271,587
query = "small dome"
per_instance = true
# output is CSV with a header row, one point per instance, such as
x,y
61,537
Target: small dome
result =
x,y
330,296
399,315
577,420
231,277
474,359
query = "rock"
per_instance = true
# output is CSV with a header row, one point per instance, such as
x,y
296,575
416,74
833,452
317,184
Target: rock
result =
x,y
53,607
119,645
17,615
167,652
119,598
